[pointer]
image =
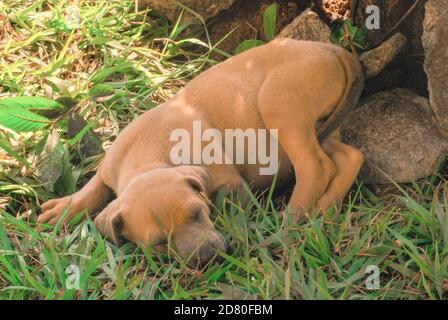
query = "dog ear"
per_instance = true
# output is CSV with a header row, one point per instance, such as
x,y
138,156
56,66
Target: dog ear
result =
x,y
197,177
109,222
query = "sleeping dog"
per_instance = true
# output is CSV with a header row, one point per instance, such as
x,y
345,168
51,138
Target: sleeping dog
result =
x,y
301,89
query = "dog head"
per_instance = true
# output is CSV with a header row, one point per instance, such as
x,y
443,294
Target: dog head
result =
x,y
165,208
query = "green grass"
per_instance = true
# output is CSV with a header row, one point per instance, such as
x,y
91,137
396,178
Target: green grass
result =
x,y
140,57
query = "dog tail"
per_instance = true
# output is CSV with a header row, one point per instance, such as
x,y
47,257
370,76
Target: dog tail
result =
x,y
355,85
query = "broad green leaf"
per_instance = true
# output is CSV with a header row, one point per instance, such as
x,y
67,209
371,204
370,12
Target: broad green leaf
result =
x,y
31,103
248,44
269,19
20,119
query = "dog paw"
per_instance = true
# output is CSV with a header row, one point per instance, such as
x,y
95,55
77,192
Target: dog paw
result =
x,y
52,210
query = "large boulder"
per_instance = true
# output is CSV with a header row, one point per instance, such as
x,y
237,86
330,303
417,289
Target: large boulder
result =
x,y
397,138
435,37
205,8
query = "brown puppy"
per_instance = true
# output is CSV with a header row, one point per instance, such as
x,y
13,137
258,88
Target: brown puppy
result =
x,y
300,88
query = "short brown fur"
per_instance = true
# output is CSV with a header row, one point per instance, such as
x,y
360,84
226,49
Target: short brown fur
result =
x,y
301,88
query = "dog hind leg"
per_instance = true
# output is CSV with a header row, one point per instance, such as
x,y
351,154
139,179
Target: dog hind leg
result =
x,y
293,116
348,161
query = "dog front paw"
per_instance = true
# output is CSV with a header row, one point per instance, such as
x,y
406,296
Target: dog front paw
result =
x,y
52,210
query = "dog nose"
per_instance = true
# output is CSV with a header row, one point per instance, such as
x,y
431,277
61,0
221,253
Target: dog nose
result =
x,y
210,249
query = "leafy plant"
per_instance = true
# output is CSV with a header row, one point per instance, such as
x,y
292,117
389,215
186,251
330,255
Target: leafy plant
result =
x,y
350,37
269,20
21,113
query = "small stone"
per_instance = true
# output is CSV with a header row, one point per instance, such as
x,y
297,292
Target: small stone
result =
x,y
375,60
307,26
399,142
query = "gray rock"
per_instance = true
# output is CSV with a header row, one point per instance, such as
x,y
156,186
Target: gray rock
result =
x,y
435,37
205,8
307,26
375,60
397,138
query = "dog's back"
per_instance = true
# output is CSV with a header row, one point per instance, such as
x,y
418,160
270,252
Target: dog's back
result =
x,y
227,96
229,90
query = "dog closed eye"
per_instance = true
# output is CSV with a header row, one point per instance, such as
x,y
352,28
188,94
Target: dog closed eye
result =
x,y
195,214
